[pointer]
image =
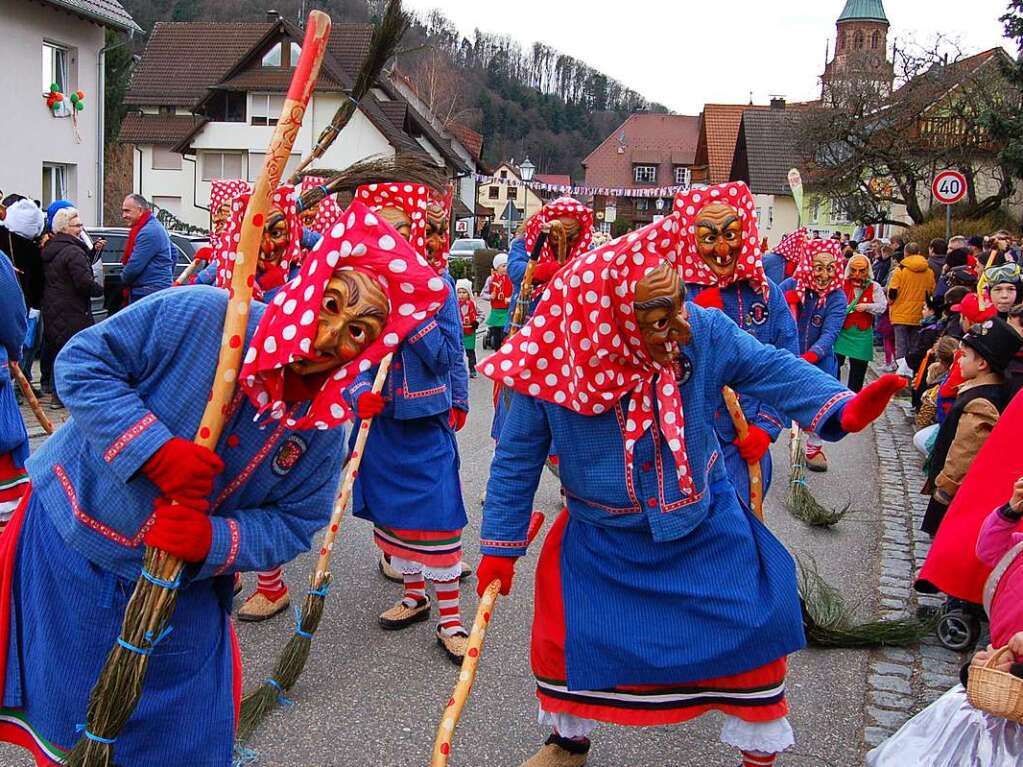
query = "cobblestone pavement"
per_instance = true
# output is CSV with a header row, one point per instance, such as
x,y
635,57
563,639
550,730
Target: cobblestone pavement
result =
x,y
903,681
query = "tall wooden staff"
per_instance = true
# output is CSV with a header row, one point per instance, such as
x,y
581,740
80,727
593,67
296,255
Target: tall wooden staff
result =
x,y
460,696
756,477
119,687
30,397
265,698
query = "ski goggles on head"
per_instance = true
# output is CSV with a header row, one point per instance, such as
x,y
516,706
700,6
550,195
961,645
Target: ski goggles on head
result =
x,y
996,275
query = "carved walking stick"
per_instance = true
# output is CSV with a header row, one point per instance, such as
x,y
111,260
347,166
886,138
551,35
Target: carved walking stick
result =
x,y
756,477
33,402
264,699
458,699
148,613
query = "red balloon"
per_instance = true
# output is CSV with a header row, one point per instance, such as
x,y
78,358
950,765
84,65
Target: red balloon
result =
x,y
80,95
58,96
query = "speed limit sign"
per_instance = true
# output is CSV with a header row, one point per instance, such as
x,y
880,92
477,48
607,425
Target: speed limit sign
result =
x,y
949,187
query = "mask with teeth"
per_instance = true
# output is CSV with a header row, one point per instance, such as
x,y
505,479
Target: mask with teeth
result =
x,y
719,238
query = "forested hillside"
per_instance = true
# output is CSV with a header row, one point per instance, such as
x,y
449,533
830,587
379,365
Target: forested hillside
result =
x,y
534,101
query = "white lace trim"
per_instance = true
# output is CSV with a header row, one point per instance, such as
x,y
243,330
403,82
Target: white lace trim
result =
x,y
410,567
766,737
566,725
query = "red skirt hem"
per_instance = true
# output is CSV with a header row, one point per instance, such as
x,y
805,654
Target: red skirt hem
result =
x,y
21,737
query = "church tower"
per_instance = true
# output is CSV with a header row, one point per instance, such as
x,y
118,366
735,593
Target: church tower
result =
x,y
861,49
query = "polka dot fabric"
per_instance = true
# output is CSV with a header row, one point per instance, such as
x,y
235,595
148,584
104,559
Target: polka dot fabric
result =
x,y
442,202
563,207
411,198
803,275
749,267
791,246
328,211
224,190
283,198
582,348
361,241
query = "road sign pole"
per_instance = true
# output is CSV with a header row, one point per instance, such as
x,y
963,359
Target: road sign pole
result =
x,y
948,223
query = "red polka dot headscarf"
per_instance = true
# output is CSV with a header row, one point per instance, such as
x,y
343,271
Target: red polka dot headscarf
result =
x,y
224,190
791,246
804,269
442,202
327,211
283,198
362,241
563,207
582,348
411,198
749,267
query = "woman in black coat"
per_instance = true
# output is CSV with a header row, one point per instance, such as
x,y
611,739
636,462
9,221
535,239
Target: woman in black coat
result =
x,y
69,284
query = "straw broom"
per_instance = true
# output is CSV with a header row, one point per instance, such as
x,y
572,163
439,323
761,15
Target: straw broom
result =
x,y
148,613
470,664
800,501
30,397
264,699
827,620
375,170
386,36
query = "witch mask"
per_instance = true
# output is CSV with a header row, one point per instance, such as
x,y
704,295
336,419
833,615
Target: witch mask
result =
x,y
661,314
719,238
825,267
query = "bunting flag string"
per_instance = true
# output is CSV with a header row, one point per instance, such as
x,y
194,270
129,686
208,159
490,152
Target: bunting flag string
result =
x,y
668,192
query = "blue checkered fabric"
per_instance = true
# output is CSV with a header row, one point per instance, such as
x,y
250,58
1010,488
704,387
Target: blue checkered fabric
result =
x,y
130,384
591,448
13,323
819,326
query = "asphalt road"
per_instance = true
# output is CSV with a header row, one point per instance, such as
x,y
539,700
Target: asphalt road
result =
x,y
370,697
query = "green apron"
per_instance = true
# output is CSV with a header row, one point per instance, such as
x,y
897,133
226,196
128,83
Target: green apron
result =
x,y
856,343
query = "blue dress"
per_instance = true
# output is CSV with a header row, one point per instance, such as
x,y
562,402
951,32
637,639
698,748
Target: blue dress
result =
x,y
13,323
770,322
819,325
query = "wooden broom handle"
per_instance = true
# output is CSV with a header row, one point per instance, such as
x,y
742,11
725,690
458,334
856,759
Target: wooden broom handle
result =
x,y
244,270
466,677
756,477
322,569
33,402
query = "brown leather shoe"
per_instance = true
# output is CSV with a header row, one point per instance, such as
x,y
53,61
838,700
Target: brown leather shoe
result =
x,y
554,754
402,616
388,571
454,645
259,607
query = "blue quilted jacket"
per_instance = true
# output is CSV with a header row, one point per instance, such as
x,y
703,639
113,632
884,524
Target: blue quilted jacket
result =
x,y
591,448
133,382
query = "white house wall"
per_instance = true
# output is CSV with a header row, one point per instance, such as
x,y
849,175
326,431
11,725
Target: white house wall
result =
x,y
359,140
41,138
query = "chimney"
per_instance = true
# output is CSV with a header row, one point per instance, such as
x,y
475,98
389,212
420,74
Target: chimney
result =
x,y
272,16
777,102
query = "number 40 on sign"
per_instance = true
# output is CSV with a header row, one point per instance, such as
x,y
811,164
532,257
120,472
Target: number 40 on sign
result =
x,y
948,188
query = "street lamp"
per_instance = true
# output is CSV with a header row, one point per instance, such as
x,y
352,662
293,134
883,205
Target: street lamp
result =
x,y
526,170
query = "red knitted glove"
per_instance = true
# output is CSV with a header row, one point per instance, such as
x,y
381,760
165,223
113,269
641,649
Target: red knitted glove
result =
x,y
543,272
866,406
710,299
456,418
755,446
369,404
182,531
811,357
493,568
183,470
273,277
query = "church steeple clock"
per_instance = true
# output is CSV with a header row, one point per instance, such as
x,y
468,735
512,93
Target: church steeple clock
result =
x,y
861,49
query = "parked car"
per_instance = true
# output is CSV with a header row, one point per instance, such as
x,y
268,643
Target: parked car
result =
x,y
185,246
466,248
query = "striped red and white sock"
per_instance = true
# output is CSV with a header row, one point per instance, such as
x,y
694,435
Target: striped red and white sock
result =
x,y
448,600
271,583
415,589
757,759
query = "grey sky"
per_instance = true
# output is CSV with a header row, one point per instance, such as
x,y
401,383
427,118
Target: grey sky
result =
x,y
684,53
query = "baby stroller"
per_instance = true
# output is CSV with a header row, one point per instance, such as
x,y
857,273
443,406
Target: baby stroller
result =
x,y
960,624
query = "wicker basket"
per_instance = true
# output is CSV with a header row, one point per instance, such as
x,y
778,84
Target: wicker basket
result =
x,y
996,692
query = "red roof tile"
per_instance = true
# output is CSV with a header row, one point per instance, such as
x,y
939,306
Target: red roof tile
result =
x,y
719,129
467,137
157,129
647,137
556,179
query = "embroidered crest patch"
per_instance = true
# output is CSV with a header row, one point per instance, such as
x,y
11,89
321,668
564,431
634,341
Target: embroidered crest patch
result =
x,y
758,313
288,454
817,321
683,369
